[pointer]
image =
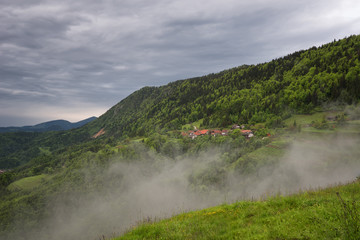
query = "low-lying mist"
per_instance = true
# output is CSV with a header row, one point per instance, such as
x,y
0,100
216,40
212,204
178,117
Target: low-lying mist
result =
x,y
160,187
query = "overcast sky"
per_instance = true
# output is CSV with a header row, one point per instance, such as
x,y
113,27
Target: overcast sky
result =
x,y
76,59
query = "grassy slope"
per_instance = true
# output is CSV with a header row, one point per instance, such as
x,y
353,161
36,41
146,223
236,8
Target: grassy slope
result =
x,y
27,183
308,215
304,119
270,153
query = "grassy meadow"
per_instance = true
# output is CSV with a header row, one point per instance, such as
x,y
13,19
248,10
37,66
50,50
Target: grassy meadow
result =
x,y
28,183
330,213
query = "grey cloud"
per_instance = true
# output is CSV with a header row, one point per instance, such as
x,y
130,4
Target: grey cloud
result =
x,y
30,31
76,50
23,92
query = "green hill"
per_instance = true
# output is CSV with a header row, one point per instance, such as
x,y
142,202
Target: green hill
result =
x,y
297,83
138,161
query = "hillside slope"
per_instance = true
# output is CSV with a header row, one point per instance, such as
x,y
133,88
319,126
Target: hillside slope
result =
x,y
18,145
330,213
297,83
73,185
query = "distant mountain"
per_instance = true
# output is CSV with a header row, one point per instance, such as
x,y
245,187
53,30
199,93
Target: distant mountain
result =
x,y
56,125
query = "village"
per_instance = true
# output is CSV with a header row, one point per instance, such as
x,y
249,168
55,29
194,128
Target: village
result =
x,y
215,132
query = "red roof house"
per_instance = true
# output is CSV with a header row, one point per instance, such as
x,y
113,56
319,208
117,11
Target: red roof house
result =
x,y
246,132
203,132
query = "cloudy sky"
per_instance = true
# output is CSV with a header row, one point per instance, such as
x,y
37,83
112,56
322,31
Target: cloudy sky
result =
x,y
75,59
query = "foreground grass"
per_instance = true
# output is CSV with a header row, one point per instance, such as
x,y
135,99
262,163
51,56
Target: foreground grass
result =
x,y
310,215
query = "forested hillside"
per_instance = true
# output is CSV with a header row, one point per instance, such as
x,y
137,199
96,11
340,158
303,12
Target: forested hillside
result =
x,y
20,144
271,91
268,93
133,162
19,147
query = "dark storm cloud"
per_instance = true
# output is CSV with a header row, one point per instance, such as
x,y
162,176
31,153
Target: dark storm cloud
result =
x,y
82,57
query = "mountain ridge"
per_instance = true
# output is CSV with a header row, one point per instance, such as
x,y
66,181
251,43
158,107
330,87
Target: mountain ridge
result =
x,y
54,125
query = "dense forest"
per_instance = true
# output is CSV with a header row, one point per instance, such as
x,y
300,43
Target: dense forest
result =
x,y
43,169
269,92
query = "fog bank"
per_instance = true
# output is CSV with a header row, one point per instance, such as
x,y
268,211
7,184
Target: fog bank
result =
x,y
161,188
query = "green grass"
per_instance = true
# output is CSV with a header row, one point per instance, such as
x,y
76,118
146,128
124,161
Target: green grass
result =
x,y
315,130
304,119
190,126
349,127
308,215
267,154
137,140
27,183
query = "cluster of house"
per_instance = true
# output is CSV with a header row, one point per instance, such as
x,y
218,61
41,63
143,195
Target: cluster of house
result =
x,y
2,171
196,133
215,132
